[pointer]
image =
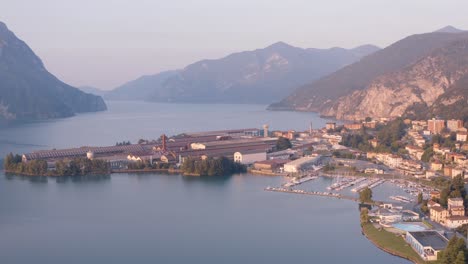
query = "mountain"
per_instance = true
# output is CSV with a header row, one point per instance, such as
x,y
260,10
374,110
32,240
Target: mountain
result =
x,y
258,76
140,89
92,90
449,29
29,91
386,82
422,83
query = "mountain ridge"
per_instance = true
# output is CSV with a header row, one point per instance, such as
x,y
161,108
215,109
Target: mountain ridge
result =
x,y
256,76
29,91
321,95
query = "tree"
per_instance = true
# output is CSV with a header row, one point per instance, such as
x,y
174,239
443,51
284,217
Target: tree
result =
x,y
283,143
420,198
364,215
454,247
460,258
365,196
427,155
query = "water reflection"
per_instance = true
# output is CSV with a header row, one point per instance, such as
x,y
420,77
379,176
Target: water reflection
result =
x,y
209,180
83,179
62,179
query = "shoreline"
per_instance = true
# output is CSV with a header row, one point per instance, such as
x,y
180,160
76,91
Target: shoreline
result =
x,y
389,251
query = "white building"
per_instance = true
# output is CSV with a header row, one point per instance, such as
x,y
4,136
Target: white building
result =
x,y
428,244
456,221
296,166
249,156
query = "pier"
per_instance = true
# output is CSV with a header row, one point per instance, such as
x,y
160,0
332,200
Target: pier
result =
x,y
325,194
299,181
371,184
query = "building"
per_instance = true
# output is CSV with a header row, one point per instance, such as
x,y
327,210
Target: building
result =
x,y
330,125
462,136
387,215
451,202
435,125
300,164
454,125
428,244
248,157
234,133
374,142
270,165
354,126
436,165
435,194
373,171
431,204
415,151
438,214
419,124
370,124
456,221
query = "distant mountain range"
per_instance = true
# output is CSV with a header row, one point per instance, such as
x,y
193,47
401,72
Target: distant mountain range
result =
x,y
425,71
260,76
92,90
29,91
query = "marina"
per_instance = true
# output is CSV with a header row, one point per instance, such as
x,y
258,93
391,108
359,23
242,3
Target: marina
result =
x,y
400,198
299,181
316,193
371,184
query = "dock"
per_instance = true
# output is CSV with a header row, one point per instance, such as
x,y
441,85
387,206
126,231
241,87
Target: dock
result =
x,y
325,194
371,184
300,181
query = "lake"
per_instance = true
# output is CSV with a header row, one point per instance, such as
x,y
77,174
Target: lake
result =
x,y
156,218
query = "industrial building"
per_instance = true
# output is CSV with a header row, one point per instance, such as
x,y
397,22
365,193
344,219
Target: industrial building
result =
x,y
303,163
248,157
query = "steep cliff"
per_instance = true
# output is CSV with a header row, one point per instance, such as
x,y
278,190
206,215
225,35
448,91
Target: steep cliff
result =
x,y
29,91
422,83
347,91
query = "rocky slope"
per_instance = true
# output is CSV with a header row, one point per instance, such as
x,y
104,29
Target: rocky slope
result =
x,y
29,91
422,83
259,76
417,69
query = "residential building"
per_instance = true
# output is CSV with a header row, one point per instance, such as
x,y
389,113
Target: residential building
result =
x,y
431,204
428,244
354,126
456,221
435,125
419,124
330,126
462,136
454,125
438,214
451,202
437,165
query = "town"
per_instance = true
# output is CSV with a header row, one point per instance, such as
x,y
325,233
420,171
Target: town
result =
x,y
426,158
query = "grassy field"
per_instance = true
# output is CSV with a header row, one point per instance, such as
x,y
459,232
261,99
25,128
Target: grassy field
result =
x,y
391,243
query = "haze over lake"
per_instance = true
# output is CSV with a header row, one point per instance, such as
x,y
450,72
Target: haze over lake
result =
x,y
151,218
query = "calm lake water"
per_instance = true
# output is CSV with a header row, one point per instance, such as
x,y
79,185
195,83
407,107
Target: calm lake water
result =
x,y
152,218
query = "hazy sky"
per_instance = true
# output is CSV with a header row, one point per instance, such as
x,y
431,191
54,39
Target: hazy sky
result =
x,y
104,43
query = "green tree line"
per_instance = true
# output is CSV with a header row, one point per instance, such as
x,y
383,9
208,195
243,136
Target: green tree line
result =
x,y
211,166
68,167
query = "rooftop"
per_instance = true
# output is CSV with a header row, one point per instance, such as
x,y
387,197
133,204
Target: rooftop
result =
x,y
458,199
430,239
